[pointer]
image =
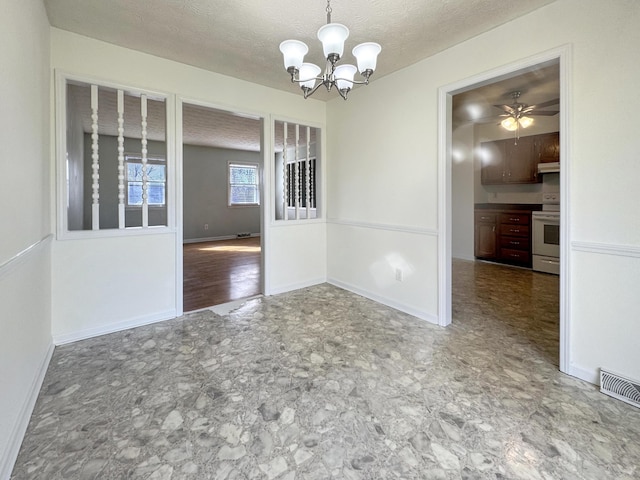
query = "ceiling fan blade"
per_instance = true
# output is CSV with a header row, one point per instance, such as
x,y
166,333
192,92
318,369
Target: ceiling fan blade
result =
x,y
490,119
507,108
555,101
545,113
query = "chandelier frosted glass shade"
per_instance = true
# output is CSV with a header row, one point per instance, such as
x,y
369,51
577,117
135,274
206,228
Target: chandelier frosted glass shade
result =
x,y
344,76
366,55
333,36
308,75
293,52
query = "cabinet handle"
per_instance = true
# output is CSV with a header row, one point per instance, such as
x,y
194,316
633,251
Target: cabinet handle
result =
x,y
514,219
494,228
514,230
514,243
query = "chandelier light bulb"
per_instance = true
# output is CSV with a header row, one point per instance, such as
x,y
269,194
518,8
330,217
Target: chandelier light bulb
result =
x,y
308,74
293,52
344,76
333,36
366,55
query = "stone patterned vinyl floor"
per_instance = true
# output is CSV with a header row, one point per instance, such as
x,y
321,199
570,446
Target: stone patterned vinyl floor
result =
x,y
324,384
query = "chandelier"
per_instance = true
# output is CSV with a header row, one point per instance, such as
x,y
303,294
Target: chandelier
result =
x,y
332,36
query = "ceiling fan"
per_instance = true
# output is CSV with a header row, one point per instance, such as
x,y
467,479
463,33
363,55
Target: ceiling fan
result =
x,y
518,115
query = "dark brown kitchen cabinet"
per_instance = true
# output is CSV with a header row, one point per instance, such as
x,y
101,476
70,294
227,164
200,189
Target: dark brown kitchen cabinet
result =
x,y
516,162
486,235
521,166
547,147
515,238
493,160
503,236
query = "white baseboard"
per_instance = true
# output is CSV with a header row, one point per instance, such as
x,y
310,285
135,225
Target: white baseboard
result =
x,y
588,375
215,239
8,458
296,286
71,337
422,315
471,258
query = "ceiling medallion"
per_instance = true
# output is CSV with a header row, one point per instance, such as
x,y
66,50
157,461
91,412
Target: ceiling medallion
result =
x,y
332,36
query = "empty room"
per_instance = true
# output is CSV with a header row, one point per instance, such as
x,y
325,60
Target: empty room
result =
x,y
442,207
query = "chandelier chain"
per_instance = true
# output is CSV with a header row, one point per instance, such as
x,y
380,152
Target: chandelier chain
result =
x,y
329,11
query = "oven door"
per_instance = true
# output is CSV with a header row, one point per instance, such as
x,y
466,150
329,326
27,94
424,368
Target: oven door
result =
x,y
546,235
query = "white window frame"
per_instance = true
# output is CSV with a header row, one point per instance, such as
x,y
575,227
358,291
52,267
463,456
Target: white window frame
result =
x,y
62,231
151,160
253,165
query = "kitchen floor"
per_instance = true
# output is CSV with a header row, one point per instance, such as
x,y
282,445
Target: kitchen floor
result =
x,y
321,383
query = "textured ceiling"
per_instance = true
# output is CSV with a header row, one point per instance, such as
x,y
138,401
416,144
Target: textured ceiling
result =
x,y
241,38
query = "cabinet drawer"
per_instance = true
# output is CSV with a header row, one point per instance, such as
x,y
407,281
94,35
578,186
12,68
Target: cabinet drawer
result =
x,y
515,243
514,230
520,256
515,218
486,217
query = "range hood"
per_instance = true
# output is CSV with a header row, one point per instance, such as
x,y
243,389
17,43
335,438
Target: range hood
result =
x,y
550,167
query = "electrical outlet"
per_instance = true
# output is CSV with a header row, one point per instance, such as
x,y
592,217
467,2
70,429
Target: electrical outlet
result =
x,y
398,274
206,226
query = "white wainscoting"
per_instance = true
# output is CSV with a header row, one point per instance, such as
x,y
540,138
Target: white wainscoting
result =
x,y
394,294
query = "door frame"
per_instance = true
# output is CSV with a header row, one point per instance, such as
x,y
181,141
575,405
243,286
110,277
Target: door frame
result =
x,y
445,94
265,188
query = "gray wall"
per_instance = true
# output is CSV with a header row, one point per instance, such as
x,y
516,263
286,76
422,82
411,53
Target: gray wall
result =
x,y
205,194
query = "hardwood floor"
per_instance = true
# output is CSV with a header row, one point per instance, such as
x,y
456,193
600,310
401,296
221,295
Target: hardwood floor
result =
x,y
219,272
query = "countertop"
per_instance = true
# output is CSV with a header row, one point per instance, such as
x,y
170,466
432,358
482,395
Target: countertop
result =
x,y
529,207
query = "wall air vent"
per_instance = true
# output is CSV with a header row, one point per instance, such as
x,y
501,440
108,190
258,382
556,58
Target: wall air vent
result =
x,y
620,387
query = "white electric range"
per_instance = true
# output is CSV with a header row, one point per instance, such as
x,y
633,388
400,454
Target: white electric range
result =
x,y
546,235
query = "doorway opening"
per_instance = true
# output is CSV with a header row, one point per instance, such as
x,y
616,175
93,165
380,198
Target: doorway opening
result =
x,y
470,113
222,164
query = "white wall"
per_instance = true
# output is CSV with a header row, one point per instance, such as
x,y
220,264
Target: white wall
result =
x,y
25,326
380,173
463,190
118,290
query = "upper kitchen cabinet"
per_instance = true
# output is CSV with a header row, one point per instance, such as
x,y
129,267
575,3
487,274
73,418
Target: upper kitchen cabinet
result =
x,y
547,147
509,162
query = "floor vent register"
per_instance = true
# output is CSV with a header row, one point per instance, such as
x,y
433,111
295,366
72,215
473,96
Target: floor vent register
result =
x,y
620,387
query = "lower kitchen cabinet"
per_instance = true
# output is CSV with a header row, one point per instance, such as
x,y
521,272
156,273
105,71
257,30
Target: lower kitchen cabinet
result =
x,y
503,236
486,244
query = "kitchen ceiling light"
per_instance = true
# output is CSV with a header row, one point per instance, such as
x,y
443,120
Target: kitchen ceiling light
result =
x,y
332,36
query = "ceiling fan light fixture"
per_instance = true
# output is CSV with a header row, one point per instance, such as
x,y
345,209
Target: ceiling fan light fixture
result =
x,y
525,122
509,123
